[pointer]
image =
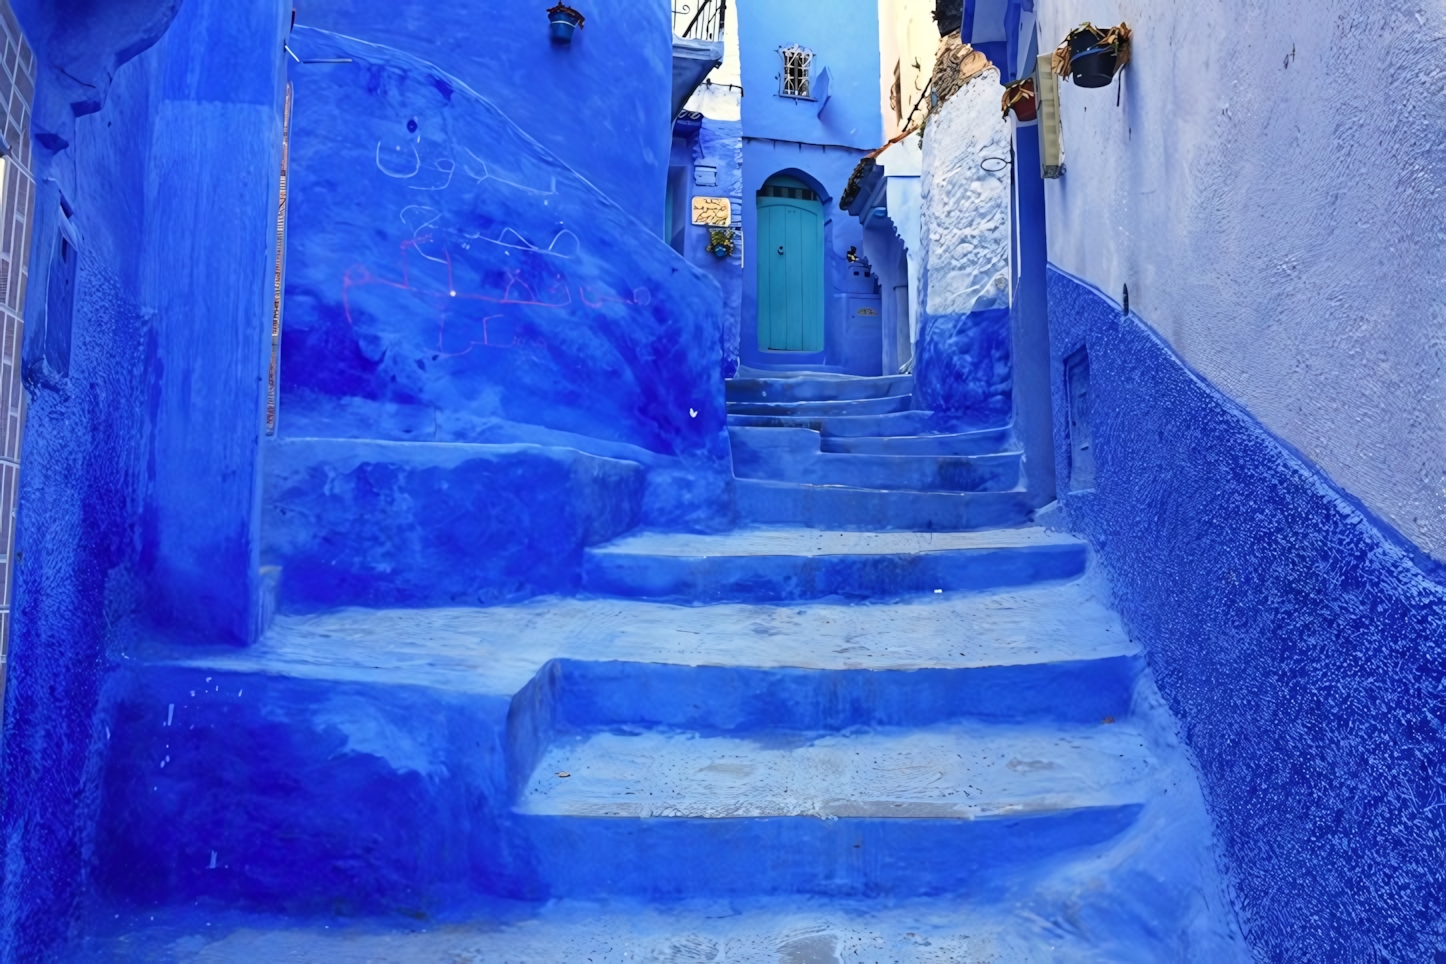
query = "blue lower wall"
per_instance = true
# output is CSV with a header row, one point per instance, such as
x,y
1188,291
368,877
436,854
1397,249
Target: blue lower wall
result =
x,y
962,366
369,523
1294,636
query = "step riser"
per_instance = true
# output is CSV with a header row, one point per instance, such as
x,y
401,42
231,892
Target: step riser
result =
x,y
572,697
852,426
971,443
788,578
664,858
823,507
816,389
856,407
985,473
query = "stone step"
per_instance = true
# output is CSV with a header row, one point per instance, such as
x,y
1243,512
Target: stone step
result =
x,y
848,508
816,388
912,422
981,442
827,408
793,455
774,564
905,812
370,758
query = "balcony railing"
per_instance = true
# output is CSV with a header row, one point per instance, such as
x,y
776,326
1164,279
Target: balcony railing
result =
x,y
699,19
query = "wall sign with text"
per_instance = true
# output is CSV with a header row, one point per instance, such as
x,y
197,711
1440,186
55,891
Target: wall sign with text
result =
x,y
715,212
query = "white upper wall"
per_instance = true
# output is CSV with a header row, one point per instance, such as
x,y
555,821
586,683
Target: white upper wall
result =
x,y
1272,188
965,202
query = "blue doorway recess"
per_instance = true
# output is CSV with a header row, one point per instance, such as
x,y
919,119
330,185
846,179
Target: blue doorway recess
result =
x,y
790,266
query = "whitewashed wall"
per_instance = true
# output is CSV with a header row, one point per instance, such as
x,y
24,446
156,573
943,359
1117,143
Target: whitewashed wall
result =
x,y
965,207
1272,188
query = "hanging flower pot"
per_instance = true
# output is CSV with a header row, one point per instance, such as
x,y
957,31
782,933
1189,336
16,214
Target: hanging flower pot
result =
x,y
1091,56
1019,97
720,242
562,20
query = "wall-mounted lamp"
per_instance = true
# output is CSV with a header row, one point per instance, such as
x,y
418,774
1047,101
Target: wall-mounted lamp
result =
x,y
562,20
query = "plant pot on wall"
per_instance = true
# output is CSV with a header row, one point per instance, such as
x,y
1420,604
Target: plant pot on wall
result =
x,y
1091,56
1019,97
720,242
562,20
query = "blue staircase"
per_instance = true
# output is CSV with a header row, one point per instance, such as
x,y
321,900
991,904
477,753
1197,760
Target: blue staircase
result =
x,y
922,735
847,452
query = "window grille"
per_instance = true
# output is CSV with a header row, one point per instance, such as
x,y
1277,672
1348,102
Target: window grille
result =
x,y
797,66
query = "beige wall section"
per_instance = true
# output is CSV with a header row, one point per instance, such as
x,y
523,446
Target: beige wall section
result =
x,y
908,38
720,95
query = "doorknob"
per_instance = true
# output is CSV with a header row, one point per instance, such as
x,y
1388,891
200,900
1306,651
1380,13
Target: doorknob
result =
x,y
780,249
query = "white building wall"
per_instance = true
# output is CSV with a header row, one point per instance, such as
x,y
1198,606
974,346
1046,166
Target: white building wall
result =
x,y
1272,188
964,204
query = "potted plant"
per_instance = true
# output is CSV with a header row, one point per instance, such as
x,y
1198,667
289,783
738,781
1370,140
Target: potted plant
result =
x,y
1019,97
562,20
720,242
1091,56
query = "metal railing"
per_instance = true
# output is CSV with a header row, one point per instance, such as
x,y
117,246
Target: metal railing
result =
x,y
700,19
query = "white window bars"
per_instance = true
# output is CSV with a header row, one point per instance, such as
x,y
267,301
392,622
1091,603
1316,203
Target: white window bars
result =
x,y
797,70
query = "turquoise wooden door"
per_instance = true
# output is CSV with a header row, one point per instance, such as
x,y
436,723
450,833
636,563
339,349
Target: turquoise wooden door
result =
x,y
790,270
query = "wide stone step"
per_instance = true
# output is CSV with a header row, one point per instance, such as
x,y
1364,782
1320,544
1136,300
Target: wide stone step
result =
x,y
964,443
817,388
906,812
827,408
912,422
849,508
771,564
792,455
370,759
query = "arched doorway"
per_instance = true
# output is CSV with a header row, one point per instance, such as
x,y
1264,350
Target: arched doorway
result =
x,y
790,266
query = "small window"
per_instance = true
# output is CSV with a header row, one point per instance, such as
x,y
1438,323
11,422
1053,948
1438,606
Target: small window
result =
x,y
1081,438
797,66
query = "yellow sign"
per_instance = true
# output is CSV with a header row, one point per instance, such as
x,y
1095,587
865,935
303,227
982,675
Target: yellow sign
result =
x,y
715,212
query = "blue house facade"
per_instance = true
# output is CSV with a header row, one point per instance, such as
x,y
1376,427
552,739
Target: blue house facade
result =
x,y
810,112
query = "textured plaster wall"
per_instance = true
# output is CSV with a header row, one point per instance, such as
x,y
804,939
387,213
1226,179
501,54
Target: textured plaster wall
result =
x,y
137,487
961,354
600,103
1270,188
1299,645
449,280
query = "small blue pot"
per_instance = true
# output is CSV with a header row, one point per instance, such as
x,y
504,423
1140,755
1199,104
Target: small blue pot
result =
x,y
562,26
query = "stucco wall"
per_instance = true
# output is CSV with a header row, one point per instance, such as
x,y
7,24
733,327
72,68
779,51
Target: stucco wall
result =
x,y
448,280
1270,188
600,103
1301,649
844,38
962,357
136,463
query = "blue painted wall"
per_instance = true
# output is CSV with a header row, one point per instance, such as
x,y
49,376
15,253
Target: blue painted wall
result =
x,y
138,489
1294,635
601,104
719,144
448,280
844,38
